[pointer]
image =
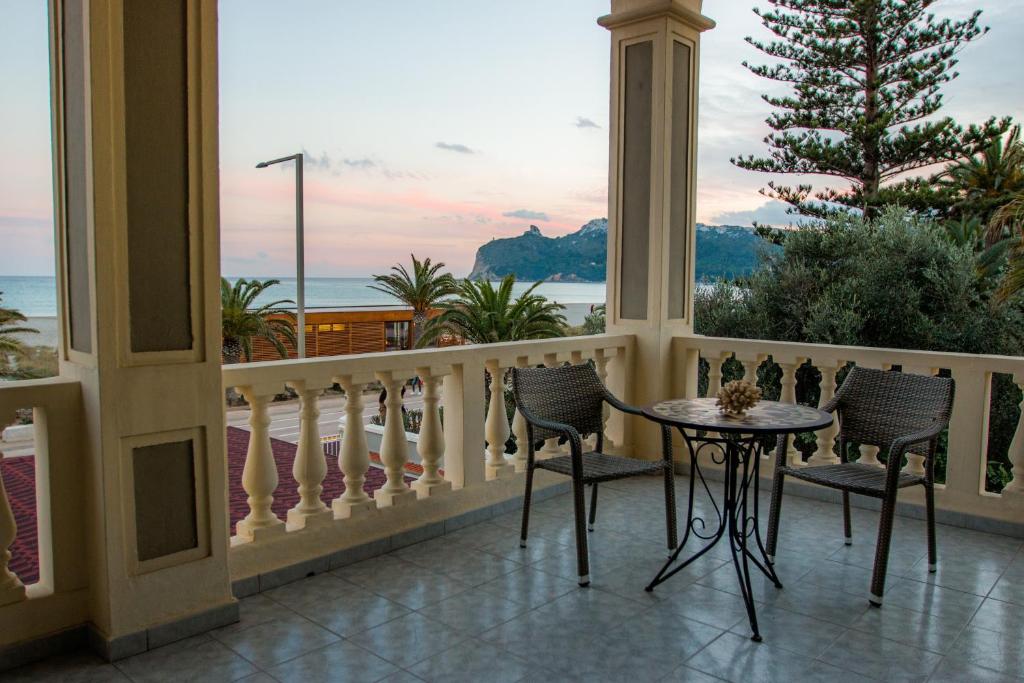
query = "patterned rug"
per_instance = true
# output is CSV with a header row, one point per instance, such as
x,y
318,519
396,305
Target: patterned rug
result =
x,y
19,476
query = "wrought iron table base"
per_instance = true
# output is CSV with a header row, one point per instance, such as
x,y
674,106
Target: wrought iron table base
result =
x,y
741,456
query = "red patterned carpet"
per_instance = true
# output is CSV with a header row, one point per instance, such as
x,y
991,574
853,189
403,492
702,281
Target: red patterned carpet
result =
x,y
19,480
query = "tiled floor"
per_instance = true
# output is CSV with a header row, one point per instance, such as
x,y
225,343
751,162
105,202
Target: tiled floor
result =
x,y
473,606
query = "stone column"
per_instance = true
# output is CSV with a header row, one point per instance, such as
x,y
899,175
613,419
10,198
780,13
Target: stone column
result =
x,y
134,95
655,55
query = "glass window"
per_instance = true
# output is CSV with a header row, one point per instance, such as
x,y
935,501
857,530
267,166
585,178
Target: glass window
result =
x,y
397,335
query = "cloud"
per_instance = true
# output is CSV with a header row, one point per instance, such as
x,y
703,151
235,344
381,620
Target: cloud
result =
x,y
363,163
584,122
455,147
527,215
315,163
769,213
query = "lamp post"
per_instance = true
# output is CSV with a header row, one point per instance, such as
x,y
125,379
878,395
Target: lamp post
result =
x,y
300,249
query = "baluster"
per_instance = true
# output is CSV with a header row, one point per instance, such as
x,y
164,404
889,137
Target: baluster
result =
x,y
869,454
551,448
519,429
714,374
601,363
793,457
310,465
1015,487
750,366
826,438
496,425
11,588
431,441
353,455
393,446
915,462
259,476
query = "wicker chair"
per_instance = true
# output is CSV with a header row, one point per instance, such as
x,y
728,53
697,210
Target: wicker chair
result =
x,y
898,412
567,402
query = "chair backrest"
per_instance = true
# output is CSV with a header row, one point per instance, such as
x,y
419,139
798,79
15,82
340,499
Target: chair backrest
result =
x,y
569,394
877,406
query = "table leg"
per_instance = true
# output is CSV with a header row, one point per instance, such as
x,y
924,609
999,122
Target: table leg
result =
x,y
737,486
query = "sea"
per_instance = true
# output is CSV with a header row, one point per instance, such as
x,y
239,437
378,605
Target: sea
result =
x,y
36,297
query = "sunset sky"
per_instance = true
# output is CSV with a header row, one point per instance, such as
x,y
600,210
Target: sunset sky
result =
x,y
433,126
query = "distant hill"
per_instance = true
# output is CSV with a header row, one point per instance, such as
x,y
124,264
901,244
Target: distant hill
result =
x,y
725,251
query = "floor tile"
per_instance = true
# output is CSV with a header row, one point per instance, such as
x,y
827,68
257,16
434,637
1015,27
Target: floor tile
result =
x,y
871,655
353,611
813,601
922,630
529,586
1004,617
409,639
474,611
76,667
278,641
340,662
955,671
473,661
200,658
791,631
252,611
990,649
708,606
737,658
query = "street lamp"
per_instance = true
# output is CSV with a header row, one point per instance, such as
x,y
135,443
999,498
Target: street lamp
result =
x,y
300,249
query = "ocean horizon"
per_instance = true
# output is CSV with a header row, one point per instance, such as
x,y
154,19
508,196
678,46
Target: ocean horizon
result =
x,y
36,295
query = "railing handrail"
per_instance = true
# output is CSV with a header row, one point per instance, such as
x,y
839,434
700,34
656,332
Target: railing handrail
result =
x,y
34,392
938,359
243,374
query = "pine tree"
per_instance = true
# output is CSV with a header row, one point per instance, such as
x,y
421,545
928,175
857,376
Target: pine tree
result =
x,y
867,78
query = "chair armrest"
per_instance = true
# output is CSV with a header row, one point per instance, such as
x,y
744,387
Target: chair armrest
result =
x,y
570,433
901,444
614,402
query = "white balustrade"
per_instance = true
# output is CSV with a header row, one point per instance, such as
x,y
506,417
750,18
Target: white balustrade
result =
x,y
310,465
519,430
715,373
497,427
915,462
259,476
551,448
869,454
393,454
431,439
11,588
788,395
601,364
354,455
1015,487
826,438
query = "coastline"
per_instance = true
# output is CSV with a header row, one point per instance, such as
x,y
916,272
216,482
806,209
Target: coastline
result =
x,y
48,334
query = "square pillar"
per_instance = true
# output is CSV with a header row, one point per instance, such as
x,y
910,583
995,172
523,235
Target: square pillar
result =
x,y
134,94
655,60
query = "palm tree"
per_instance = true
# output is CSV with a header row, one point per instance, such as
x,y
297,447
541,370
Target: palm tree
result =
x,y
8,343
484,315
1009,219
422,290
986,181
242,321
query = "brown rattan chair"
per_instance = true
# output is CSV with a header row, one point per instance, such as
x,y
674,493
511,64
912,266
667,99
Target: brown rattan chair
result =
x,y
898,412
567,402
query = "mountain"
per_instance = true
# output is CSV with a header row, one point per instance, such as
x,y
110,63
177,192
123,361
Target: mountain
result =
x,y
724,251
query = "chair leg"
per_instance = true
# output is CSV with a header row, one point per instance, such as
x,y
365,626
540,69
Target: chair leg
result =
x,y
882,550
580,511
593,507
929,497
847,525
526,507
773,516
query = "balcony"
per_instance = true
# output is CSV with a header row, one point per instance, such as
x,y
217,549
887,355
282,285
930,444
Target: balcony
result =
x,y
426,576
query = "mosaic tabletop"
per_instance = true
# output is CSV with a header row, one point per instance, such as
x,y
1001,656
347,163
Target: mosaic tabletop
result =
x,y
767,417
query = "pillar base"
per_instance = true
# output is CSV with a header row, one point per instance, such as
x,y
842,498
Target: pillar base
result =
x,y
392,498
249,532
344,510
14,592
501,471
424,490
297,519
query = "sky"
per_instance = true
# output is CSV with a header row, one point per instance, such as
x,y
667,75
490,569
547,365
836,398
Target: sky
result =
x,y
432,127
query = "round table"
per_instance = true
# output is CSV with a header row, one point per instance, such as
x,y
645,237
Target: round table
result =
x,y
737,443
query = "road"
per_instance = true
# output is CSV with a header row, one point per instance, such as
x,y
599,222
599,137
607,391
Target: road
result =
x,y
284,420
284,417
